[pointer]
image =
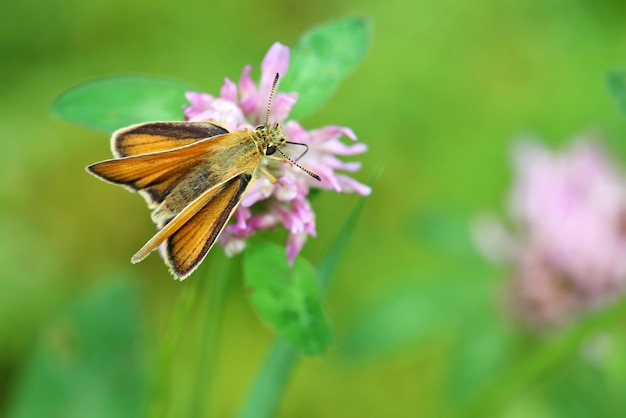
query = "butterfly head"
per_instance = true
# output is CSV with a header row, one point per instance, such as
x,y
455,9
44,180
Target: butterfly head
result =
x,y
272,137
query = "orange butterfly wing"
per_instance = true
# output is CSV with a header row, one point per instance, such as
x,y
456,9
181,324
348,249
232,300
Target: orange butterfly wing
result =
x,y
155,174
188,245
147,138
214,206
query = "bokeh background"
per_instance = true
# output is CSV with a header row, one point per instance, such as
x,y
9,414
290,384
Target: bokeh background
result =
x,y
440,97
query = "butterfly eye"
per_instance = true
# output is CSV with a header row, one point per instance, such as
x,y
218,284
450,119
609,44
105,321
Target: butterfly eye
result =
x,y
270,150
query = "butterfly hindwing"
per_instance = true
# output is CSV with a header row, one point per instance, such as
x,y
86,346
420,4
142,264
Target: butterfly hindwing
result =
x,y
189,244
170,226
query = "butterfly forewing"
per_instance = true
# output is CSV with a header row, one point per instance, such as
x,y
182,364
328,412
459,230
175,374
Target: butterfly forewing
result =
x,y
187,247
147,138
155,175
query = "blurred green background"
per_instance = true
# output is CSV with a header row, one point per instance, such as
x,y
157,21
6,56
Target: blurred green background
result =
x,y
444,89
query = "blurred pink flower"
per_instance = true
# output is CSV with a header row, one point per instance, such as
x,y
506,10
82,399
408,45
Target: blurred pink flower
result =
x,y
569,252
266,204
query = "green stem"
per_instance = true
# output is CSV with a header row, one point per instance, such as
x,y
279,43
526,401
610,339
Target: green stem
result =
x,y
215,298
160,389
271,381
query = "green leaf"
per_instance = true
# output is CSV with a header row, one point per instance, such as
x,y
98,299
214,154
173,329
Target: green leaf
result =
x,y
89,360
617,86
114,102
323,57
287,298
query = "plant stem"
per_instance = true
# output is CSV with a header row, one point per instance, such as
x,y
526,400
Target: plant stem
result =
x,y
182,308
215,298
271,381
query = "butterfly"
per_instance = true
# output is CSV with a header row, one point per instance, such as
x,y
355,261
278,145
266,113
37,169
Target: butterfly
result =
x,y
194,176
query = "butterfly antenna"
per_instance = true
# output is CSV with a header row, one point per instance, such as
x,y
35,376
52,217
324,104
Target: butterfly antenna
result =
x,y
267,119
310,173
269,102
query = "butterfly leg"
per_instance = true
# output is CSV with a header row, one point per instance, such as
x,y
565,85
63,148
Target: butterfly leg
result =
x,y
267,174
